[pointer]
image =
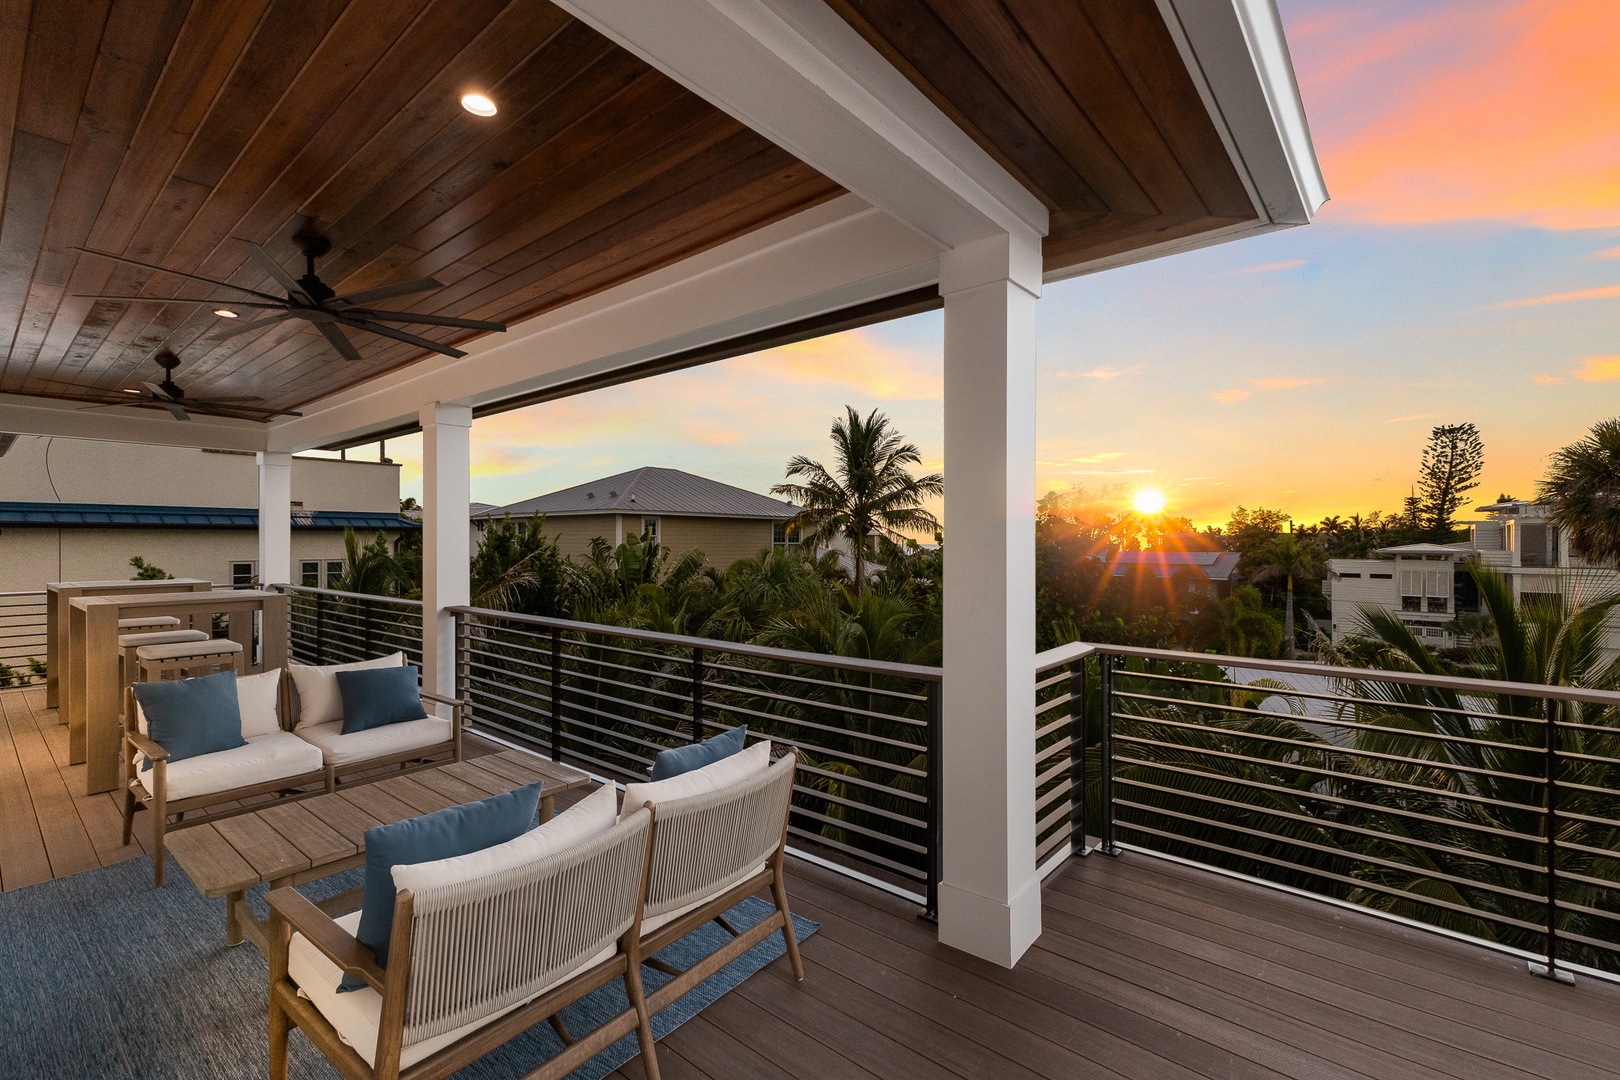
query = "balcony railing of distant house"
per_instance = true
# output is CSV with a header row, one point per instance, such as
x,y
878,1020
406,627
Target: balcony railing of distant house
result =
x,y
1490,811
608,698
22,638
332,627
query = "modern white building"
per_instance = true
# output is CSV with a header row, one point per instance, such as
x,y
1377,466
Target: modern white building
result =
x,y
1429,587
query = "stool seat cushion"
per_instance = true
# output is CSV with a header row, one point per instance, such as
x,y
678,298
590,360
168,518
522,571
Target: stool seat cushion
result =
x,y
258,761
341,750
186,650
159,637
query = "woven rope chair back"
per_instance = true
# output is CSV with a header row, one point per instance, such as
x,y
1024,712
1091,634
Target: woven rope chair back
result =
x,y
707,842
480,946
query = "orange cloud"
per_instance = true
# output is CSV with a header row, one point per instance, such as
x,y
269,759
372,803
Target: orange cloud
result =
x,y
1286,384
1599,369
1545,379
1608,253
1409,419
1476,111
1605,292
1232,396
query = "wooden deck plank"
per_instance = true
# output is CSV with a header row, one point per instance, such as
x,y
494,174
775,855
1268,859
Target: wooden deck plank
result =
x,y
101,814
67,844
22,849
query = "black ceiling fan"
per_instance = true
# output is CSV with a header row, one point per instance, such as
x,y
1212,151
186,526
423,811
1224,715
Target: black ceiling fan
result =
x,y
313,300
169,395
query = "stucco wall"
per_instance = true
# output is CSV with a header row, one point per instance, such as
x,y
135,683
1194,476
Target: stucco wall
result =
x,y
85,471
31,557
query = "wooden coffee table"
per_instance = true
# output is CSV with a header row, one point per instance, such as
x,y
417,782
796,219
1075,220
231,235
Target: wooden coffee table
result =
x,y
298,841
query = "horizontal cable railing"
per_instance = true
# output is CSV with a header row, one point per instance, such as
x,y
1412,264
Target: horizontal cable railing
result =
x,y
22,638
609,698
1487,809
332,627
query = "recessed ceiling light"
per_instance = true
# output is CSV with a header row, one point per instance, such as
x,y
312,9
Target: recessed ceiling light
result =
x,y
478,104
127,390
225,313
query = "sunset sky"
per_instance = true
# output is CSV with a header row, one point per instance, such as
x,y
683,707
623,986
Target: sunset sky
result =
x,y
1466,269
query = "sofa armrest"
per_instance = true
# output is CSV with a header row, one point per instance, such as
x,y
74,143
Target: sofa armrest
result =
x,y
321,931
458,704
143,744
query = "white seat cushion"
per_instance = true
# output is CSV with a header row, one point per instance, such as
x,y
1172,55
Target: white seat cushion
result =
x,y
340,750
354,1015
315,689
263,759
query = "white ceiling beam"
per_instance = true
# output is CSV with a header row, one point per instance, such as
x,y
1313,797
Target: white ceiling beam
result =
x,y
822,260
797,73
24,415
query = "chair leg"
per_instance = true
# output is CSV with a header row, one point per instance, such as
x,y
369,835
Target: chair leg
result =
x,y
557,1025
159,821
279,1028
779,890
644,1036
129,816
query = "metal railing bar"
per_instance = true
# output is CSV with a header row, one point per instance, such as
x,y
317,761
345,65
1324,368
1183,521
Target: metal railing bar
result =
x,y
856,853
391,601
819,703
772,673
861,830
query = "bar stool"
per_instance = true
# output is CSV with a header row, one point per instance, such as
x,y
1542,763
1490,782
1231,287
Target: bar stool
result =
x,y
188,659
147,623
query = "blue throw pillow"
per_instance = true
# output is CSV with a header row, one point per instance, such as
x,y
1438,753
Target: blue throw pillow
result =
x,y
192,717
683,759
374,697
443,834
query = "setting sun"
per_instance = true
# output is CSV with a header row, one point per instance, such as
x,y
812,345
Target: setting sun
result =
x,y
1148,500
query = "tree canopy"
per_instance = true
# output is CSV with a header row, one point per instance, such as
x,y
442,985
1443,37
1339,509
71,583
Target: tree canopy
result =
x,y
1583,486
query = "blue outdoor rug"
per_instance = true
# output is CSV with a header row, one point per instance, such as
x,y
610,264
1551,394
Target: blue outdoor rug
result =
x,y
103,976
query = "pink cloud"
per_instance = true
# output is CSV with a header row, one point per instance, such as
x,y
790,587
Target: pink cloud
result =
x,y
1267,268
1605,292
1478,110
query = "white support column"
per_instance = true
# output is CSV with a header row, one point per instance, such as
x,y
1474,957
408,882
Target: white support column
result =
x,y
275,519
446,495
989,898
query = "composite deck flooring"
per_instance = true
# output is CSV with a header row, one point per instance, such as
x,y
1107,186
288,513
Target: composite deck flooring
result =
x,y
1146,970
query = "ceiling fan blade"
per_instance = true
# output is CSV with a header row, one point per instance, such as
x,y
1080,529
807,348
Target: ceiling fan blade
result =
x,y
182,300
222,400
273,268
157,392
427,320
400,335
345,348
175,410
182,273
398,288
245,327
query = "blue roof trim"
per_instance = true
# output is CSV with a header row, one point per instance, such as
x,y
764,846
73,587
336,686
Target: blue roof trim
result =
x,y
104,515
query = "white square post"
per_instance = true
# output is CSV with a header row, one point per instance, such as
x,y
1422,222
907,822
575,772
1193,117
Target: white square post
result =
x,y
275,518
446,510
989,895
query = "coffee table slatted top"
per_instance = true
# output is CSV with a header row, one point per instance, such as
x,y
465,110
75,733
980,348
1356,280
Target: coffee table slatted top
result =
x,y
309,838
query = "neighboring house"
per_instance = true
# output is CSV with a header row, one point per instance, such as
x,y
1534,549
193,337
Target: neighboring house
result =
x,y
77,510
681,510
1214,570
1428,585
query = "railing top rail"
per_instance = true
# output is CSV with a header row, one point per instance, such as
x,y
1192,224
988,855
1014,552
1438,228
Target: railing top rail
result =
x,y
1063,654
762,652
24,592
374,598
1350,674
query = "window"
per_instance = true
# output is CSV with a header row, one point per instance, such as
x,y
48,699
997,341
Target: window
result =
x,y
243,575
1411,603
1382,577
1357,574
334,572
309,574
1437,604
784,534
649,529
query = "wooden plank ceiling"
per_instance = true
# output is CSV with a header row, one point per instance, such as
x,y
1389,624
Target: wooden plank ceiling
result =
x,y
161,129
1086,102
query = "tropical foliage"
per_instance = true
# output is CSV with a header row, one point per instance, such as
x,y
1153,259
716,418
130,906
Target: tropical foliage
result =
x,y
1583,486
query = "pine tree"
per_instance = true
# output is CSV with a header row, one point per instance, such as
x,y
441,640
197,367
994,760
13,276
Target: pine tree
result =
x,y
1450,468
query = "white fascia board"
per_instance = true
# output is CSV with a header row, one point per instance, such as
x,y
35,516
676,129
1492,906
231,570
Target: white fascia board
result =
x,y
24,415
825,259
798,74
1238,57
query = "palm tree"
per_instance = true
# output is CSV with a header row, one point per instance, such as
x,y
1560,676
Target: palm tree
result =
x,y
1583,485
868,491
1285,557
371,569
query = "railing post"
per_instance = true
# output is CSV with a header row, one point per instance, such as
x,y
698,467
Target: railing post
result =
x,y
1107,832
1550,771
697,695
366,629
463,661
556,695
1077,757
934,734
320,628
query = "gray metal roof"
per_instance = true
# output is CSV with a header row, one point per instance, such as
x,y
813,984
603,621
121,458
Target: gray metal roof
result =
x,y
105,515
651,491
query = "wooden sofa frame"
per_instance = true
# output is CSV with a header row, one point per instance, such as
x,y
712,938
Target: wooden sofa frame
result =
x,y
290,911
228,803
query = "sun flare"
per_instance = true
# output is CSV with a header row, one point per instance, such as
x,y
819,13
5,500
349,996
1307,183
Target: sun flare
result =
x,y
1148,500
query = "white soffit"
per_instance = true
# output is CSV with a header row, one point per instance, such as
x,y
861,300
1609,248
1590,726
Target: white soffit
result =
x,y
25,415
